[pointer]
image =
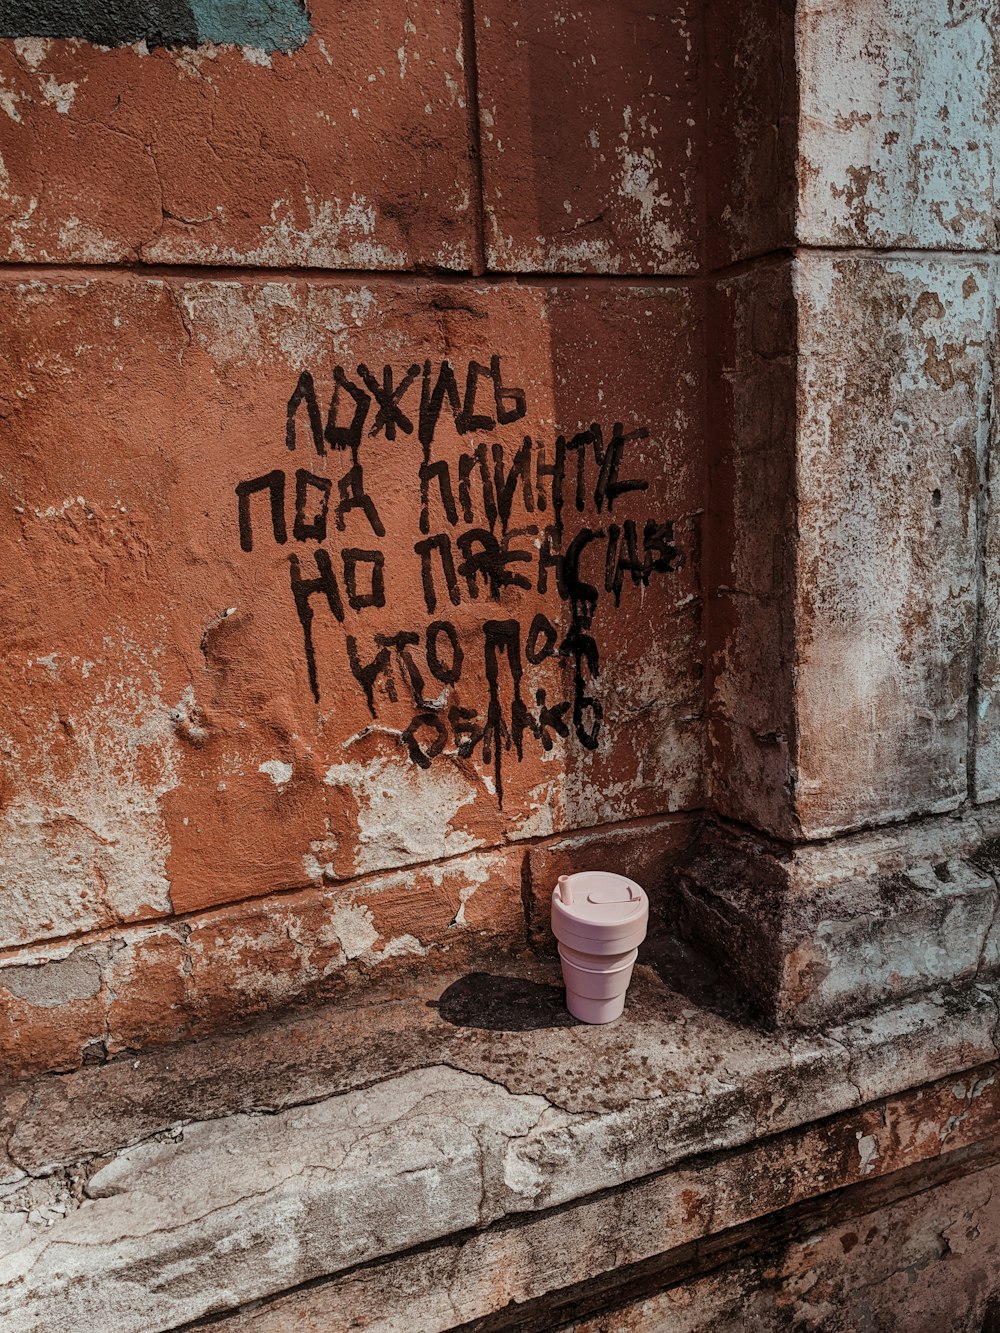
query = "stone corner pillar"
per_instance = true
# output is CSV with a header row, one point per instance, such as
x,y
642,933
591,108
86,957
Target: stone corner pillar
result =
x,y
851,550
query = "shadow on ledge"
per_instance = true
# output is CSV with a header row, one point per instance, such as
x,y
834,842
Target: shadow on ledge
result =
x,y
687,971
503,1004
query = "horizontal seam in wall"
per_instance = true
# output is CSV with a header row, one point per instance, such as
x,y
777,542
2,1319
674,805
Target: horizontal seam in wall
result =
x,y
13,955
255,274
895,252
75,272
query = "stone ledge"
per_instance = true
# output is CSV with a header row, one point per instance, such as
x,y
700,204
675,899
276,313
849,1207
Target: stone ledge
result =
x,y
674,1234
144,1193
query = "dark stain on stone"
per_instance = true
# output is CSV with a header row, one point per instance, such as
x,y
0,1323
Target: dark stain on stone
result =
x,y
687,970
897,892
110,23
986,857
270,25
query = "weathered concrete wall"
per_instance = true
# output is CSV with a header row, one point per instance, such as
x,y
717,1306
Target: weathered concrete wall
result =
x,y
851,559
894,408
896,147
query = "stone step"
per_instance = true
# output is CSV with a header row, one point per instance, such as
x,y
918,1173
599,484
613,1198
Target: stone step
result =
x,y
433,1155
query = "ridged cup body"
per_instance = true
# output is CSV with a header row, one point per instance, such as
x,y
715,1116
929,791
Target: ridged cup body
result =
x,y
599,931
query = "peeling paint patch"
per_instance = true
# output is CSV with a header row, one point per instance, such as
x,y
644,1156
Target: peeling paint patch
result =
x,y
277,770
56,982
84,842
404,813
59,95
868,1152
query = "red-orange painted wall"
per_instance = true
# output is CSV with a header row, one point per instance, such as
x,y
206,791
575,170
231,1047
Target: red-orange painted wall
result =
x,y
194,826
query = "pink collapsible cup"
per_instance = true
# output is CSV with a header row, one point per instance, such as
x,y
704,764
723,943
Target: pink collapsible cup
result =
x,y
599,920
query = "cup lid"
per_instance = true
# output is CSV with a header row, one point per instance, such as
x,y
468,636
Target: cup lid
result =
x,y
600,897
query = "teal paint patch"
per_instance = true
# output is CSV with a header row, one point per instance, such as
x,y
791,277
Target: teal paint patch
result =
x,y
268,25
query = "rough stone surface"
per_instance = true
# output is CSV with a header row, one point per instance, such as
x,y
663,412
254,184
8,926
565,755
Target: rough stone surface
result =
x,y
984,713
821,930
893,416
223,794
897,124
927,1263
144,1193
566,1257
145,984
348,152
591,135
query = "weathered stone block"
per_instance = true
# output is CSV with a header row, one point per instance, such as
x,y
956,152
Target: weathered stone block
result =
x,y
924,1263
52,1009
750,128
565,1259
349,149
815,932
984,713
591,136
376,1147
893,408
897,123
749,558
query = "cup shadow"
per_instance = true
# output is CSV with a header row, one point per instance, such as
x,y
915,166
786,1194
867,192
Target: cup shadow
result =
x,y
503,1004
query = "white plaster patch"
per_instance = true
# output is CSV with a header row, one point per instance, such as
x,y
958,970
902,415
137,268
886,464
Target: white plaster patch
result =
x,y
552,255
476,870
546,806
338,234
319,870
409,30
32,50
84,843
8,103
86,242
404,813
464,894
277,770
639,184
453,254
896,124
59,95
353,926
867,1151
236,323
312,867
